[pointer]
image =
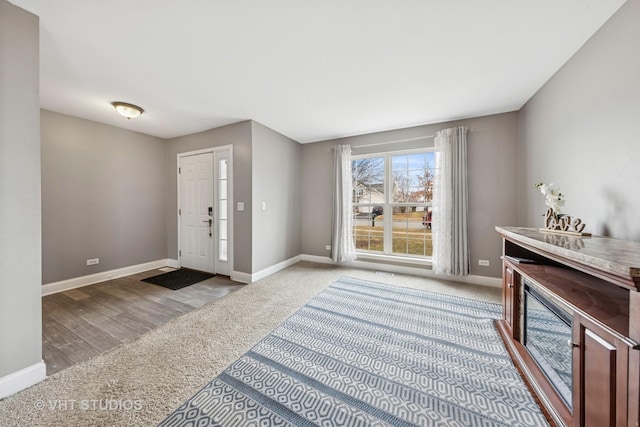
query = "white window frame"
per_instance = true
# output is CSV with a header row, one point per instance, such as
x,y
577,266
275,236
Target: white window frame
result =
x,y
387,252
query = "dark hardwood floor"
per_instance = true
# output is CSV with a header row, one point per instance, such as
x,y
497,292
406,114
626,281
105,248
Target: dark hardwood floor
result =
x,y
84,322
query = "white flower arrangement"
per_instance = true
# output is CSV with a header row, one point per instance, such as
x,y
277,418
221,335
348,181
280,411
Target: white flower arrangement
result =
x,y
552,196
555,222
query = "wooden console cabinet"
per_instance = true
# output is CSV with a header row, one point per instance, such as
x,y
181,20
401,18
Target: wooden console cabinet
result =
x,y
597,279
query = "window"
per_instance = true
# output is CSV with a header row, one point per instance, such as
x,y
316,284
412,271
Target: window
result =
x,y
392,196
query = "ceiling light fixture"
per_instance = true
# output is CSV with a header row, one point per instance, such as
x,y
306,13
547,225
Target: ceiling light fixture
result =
x,y
129,111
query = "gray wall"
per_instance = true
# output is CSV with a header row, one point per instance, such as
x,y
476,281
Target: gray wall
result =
x,y
238,135
492,183
103,196
276,181
578,131
20,244
581,130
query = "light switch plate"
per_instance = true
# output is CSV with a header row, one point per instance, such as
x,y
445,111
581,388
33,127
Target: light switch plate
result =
x,y
240,206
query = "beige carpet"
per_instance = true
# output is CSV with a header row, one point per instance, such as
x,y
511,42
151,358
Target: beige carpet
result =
x,y
140,383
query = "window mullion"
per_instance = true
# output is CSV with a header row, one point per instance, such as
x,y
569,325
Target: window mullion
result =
x,y
388,217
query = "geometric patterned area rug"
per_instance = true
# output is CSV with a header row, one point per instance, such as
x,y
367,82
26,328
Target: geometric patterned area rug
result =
x,y
362,353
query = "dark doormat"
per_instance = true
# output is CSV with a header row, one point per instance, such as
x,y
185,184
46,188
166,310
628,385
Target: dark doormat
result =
x,y
178,279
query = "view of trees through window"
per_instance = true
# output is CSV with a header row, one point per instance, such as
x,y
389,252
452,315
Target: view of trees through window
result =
x,y
392,196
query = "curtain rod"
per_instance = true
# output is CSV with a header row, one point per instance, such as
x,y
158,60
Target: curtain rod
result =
x,y
417,138
394,142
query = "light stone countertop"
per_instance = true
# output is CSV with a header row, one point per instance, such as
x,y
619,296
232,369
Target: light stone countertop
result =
x,y
612,256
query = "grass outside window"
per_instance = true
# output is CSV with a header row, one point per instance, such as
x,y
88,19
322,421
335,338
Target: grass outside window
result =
x,y
409,235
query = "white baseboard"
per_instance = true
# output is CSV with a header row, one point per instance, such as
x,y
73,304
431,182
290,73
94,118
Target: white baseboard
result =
x,y
241,277
77,282
317,258
275,268
250,278
416,271
24,378
173,263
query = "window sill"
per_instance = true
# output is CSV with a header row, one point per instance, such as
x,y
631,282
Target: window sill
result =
x,y
392,259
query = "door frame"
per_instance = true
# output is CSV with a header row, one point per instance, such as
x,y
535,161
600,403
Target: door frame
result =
x,y
230,203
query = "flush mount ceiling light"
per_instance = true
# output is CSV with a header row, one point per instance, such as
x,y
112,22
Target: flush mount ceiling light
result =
x,y
127,110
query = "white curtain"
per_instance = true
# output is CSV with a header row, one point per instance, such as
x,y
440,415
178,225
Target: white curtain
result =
x,y
450,203
343,248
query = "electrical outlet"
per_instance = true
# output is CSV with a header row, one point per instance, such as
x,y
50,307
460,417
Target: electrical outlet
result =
x,y
328,247
93,261
483,262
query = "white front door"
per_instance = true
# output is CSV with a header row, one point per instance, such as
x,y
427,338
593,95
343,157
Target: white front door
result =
x,y
196,212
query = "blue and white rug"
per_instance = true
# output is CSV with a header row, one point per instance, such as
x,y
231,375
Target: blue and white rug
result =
x,y
368,354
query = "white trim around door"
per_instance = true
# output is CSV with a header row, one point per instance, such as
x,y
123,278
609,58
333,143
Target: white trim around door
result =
x,y
220,262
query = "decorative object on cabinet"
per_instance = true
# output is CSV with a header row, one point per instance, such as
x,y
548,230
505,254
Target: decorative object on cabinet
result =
x,y
563,224
555,221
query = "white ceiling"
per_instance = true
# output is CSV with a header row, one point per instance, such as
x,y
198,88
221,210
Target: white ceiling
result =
x,y
311,70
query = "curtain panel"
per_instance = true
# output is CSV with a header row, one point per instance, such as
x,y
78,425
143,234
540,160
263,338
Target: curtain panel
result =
x,y
450,203
343,248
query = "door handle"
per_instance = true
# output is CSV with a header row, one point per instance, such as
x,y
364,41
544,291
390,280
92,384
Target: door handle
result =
x,y
210,221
